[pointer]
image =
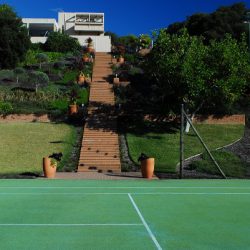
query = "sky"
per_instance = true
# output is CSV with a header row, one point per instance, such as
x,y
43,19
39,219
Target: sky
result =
x,y
122,17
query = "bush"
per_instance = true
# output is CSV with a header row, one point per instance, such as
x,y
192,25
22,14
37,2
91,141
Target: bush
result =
x,y
41,58
60,104
82,96
60,42
5,108
38,78
6,74
59,65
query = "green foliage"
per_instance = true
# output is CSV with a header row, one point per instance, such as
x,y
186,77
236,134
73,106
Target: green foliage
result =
x,y
33,57
145,41
60,104
182,69
82,96
14,38
231,164
60,42
41,57
5,108
59,65
224,20
39,77
6,74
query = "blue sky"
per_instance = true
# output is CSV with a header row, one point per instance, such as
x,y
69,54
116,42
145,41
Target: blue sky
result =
x,y
122,17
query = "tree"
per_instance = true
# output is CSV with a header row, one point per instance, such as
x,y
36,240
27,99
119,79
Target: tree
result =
x,y
41,57
18,72
59,42
38,78
14,38
182,69
145,41
228,19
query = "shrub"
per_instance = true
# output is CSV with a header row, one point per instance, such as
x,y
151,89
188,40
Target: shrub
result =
x,y
60,104
82,96
18,72
60,42
5,108
59,65
41,57
6,74
38,78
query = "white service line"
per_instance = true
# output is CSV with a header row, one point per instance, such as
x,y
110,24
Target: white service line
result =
x,y
11,187
145,223
151,193
69,225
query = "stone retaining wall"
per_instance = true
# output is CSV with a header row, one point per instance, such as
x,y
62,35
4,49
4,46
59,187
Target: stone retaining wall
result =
x,y
25,118
201,119
213,119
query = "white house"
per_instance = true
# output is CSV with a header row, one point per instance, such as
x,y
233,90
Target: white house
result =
x,y
80,25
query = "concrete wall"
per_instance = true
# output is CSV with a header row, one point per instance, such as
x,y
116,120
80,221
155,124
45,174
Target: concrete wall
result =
x,y
100,43
38,39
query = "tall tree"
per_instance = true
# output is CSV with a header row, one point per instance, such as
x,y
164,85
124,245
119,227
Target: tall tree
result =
x,y
227,19
182,68
14,38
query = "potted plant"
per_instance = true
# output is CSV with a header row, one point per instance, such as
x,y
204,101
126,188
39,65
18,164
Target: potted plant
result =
x,y
121,59
85,57
90,46
147,166
50,164
73,108
81,78
116,80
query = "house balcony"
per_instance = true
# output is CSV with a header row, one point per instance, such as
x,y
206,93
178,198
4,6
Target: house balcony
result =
x,y
89,22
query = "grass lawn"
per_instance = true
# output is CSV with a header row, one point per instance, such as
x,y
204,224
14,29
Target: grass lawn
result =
x,y
162,143
23,145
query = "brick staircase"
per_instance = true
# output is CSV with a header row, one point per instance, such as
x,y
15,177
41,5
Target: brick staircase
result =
x,y
100,145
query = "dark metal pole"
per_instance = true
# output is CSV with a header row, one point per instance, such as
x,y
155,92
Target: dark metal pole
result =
x,y
182,141
204,145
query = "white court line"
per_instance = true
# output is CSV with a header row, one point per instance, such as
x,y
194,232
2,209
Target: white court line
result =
x,y
10,187
70,225
145,223
82,194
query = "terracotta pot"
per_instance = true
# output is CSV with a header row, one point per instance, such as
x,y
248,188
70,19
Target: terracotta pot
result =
x,y
90,49
73,109
147,168
81,79
116,80
48,169
121,60
85,59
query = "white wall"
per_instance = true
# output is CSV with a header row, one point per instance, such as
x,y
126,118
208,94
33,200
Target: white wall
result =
x,y
100,43
40,39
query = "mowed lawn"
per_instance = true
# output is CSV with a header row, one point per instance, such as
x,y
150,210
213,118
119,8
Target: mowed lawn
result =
x,y
164,146
23,145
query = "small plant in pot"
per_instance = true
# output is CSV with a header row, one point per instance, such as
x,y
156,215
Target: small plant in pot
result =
x,y
73,108
90,46
121,59
147,166
50,165
81,78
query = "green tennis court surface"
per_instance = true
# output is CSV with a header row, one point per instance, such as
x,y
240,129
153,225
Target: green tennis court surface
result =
x,y
61,214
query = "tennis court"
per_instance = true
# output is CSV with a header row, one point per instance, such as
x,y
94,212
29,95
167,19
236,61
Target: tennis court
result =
x,y
80,214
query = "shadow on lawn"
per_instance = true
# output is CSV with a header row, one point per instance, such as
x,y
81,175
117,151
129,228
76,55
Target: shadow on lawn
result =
x,y
138,126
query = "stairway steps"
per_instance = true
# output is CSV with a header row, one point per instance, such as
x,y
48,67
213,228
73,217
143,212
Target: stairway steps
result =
x,y
100,143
